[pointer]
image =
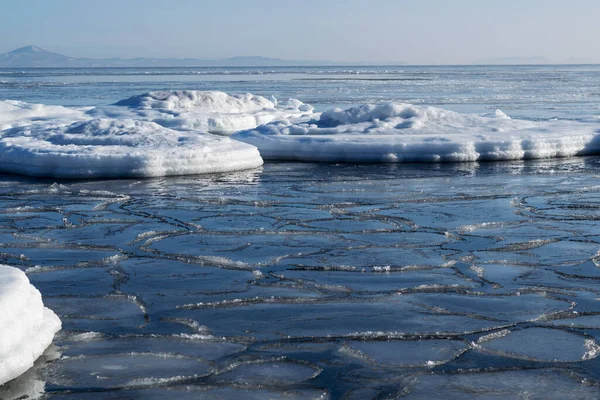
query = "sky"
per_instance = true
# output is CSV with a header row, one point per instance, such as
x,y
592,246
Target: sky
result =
x,y
414,31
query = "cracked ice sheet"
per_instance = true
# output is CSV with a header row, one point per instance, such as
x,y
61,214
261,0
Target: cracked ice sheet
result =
x,y
189,392
164,286
284,196
544,345
392,315
502,385
128,370
405,353
373,281
199,346
112,313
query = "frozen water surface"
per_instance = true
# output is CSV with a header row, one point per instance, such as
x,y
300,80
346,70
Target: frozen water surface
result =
x,y
315,281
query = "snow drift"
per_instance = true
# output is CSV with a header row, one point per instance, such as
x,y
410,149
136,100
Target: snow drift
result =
x,y
406,133
18,113
211,111
101,148
26,326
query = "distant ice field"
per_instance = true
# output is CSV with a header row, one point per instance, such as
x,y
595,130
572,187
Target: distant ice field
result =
x,y
521,91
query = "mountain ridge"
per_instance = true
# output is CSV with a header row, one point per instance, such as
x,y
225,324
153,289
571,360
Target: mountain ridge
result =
x,y
33,56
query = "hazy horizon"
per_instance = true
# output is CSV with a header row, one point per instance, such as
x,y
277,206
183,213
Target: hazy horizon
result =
x,y
378,31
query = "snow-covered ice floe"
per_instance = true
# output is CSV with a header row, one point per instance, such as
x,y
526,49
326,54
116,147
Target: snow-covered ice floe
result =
x,y
208,111
406,133
18,113
170,133
26,326
103,147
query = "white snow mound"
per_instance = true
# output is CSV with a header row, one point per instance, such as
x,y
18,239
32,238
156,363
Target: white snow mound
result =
x,y
211,111
406,133
18,113
26,326
101,148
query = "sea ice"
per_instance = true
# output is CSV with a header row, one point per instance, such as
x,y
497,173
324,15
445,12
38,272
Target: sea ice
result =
x,y
18,113
525,384
405,353
214,112
269,373
544,345
119,148
393,133
26,326
130,370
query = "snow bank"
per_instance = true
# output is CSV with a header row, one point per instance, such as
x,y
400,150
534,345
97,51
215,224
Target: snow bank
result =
x,y
119,148
406,133
26,326
213,112
17,113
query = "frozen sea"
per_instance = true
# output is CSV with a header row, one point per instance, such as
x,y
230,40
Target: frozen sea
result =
x,y
317,280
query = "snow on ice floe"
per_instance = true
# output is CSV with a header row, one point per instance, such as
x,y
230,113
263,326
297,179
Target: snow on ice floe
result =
x,y
18,113
26,326
169,133
208,111
119,148
405,133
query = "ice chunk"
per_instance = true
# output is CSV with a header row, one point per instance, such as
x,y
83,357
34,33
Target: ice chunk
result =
x,y
119,148
26,326
18,113
211,111
392,133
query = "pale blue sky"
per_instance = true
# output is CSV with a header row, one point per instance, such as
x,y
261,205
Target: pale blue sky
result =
x,y
416,31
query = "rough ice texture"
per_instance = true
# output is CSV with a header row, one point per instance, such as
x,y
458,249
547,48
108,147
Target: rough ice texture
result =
x,y
406,133
26,326
119,148
18,113
214,112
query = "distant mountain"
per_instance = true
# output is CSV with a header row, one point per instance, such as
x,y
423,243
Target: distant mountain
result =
x,y
32,56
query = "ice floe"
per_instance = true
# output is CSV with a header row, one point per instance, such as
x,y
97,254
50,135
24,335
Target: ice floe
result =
x,y
269,373
170,133
119,148
18,113
207,111
542,344
132,370
26,326
525,384
405,133
405,353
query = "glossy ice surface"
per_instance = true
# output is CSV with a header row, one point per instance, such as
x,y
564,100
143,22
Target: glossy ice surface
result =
x,y
317,281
